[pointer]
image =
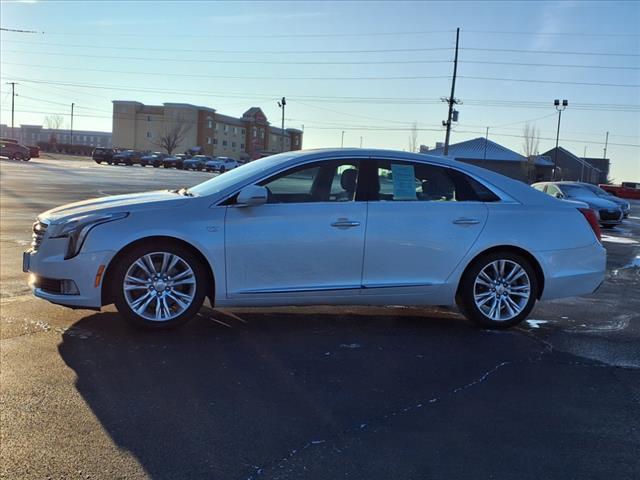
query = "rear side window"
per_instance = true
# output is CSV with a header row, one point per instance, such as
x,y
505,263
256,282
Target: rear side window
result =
x,y
408,181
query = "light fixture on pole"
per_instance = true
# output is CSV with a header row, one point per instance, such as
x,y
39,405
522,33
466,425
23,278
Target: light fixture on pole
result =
x,y
560,108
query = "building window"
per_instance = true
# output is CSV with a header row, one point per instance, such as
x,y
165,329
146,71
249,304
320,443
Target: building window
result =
x,y
233,130
261,134
148,134
224,143
148,118
242,146
233,144
255,132
215,126
243,131
208,140
224,128
209,123
215,141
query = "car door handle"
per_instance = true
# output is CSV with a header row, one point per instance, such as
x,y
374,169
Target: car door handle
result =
x,y
466,221
344,223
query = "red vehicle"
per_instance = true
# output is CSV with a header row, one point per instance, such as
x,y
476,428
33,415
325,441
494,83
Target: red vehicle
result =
x,y
34,151
624,190
12,149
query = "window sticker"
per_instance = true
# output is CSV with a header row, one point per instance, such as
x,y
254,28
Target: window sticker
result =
x,y
404,182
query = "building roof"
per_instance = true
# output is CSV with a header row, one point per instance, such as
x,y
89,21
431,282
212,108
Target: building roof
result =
x,y
573,157
475,150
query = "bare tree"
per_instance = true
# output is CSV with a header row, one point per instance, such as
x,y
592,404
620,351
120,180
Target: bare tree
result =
x,y
530,146
53,123
413,138
173,136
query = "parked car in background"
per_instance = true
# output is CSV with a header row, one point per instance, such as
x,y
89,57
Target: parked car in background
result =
x,y
609,213
174,161
624,190
34,151
101,154
289,229
127,157
13,150
155,159
624,204
195,163
221,164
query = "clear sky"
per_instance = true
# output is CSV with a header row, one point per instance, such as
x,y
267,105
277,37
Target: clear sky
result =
x,y
369,69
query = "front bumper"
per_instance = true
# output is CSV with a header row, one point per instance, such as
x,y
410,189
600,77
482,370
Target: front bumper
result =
x,y
81,269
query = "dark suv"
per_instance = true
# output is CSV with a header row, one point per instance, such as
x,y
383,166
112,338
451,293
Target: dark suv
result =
x,y
13,150
103,154
128,157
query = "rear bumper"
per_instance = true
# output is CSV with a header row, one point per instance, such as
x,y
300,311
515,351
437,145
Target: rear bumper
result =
x,y
572,272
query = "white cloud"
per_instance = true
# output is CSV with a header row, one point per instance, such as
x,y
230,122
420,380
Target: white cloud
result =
x,y
554,20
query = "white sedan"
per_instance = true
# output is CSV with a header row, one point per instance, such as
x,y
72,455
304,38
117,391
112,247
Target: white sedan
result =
x,y
323,227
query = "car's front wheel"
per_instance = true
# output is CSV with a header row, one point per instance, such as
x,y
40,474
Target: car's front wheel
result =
x,y
159,286
498,290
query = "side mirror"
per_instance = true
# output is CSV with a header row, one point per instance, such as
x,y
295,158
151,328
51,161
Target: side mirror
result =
x,y
559,195
252,196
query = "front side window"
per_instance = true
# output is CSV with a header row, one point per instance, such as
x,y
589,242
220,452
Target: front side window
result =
x,y
408,181
327,181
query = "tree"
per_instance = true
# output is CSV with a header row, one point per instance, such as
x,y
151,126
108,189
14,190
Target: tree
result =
x,y
413,138
174,136
53,123
530,146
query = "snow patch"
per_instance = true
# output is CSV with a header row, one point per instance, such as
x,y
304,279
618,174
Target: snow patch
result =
x,y
536,323
626,241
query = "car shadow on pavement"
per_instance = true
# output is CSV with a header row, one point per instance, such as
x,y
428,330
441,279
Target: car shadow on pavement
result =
x,y
229,395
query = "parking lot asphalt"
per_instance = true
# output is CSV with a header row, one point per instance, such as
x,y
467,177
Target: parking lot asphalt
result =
x,y
309,393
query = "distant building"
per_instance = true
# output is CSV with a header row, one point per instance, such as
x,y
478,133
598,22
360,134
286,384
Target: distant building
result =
x,y
141,127
574,168
32,134
492,156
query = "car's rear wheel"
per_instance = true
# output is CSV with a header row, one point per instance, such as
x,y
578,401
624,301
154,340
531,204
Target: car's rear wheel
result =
x,y
159,286
17,156
222,169
498,290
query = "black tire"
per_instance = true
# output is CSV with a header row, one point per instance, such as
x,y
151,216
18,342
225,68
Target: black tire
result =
x,y
26,159
156,165
18,156
128,258
466,296
98,161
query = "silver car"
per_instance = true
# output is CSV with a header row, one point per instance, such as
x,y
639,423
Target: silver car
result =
x,y
609,213
321,227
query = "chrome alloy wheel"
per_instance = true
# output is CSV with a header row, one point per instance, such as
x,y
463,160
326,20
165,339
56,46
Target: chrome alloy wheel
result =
x,y
501,290
159,286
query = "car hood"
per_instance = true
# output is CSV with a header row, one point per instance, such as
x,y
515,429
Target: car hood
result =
x,y
595,202
115,203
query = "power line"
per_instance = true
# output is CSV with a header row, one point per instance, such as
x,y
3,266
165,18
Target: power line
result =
x,y
306,78
352,62
349,34
336,99
307,52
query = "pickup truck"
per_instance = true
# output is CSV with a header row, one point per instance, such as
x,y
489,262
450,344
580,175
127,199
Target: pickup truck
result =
x,y
624,190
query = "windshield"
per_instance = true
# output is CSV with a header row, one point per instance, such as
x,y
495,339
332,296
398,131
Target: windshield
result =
x,y
239,174
597,190
575,190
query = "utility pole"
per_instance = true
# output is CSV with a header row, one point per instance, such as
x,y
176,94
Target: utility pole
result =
x,y
560,109
342,141
13,95
360,141
452,101
486,139
72,123
584,156
606,142
282,104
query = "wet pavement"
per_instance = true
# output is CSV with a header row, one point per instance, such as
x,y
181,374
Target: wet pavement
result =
x,y
309,393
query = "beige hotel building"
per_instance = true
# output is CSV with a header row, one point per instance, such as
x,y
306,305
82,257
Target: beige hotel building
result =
x,y
140,127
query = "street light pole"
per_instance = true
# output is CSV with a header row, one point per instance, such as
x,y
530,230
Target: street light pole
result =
x,y
282,104
72,105
342,141
560,108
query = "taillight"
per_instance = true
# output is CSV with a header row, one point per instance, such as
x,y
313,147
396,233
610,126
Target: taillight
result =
x,y
591,217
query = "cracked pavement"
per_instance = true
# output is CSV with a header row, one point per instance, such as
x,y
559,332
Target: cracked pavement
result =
x,y
309,393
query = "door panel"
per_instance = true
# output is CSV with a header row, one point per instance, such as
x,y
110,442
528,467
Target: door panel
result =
x,y
286,248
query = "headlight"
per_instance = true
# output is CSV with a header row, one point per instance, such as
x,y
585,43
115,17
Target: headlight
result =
x,y
77,229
